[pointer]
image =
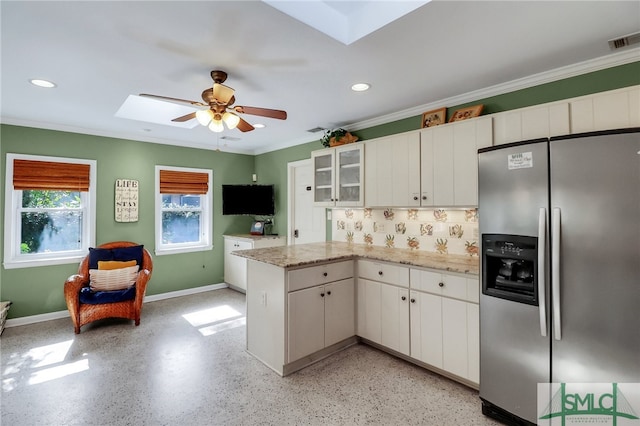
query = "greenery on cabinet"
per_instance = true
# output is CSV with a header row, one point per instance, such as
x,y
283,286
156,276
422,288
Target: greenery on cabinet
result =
x,y
336,137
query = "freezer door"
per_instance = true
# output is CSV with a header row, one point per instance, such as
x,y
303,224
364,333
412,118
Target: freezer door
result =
x,y
514,355
512,187
595,194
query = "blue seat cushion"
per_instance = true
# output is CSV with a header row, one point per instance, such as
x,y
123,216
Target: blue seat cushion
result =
x,y
120,254
91,297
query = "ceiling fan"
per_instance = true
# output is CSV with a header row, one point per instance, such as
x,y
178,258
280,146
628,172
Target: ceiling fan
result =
x,y
220,99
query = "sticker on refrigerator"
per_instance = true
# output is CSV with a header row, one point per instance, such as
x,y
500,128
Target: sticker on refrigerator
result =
x,y
521,160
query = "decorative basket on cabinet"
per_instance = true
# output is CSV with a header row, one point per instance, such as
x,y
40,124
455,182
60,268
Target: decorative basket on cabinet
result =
x,y
337,137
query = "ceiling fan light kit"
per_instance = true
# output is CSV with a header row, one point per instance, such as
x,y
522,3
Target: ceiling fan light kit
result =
x,y
204,116
219,98
216,126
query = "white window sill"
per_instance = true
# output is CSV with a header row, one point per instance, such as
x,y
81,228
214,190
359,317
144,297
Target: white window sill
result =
x,y
32,263
180,250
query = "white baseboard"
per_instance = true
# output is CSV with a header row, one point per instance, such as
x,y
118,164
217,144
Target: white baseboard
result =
x,y
32,319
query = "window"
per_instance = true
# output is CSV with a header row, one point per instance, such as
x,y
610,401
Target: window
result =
x,y
49,210
184,210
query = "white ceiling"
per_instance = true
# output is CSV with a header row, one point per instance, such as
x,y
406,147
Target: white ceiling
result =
x,y
100,53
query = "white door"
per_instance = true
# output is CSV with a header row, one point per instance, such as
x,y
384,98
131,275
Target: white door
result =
x,y
306,222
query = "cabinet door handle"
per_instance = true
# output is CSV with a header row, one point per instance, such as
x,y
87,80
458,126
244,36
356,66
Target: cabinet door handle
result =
x,y
424,197
324,274
415,198
441,284
321,294
380,273
329,293
413,300
404,298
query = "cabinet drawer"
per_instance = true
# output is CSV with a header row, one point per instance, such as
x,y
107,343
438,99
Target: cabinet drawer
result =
x,y
442,284
383,272
321,274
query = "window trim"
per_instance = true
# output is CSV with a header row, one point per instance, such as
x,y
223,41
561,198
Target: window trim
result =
x,y
13,198
207,212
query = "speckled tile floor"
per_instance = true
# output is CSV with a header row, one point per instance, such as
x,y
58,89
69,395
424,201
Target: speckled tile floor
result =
x,y
186,365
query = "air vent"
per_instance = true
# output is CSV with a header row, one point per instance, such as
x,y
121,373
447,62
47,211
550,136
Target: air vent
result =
x,y
230,138
624,41
316,130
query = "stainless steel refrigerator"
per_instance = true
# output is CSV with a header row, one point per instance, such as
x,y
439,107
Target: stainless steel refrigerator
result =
x,y
560,228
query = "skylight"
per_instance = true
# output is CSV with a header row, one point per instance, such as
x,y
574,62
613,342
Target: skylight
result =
x,y
346,21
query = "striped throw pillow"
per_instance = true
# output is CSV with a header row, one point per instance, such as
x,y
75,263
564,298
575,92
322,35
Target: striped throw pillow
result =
x,y
112,279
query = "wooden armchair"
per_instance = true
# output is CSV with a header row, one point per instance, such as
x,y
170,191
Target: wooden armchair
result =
x,y
84,313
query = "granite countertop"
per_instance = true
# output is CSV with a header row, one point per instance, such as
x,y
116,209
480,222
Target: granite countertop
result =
x,y
308,254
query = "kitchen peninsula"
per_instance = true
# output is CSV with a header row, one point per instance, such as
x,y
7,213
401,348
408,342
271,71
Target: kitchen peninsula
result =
x,y
305,302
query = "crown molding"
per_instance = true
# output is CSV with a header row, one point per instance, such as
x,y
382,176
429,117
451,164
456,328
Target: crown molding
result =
x,y
122,135
609,61
574,70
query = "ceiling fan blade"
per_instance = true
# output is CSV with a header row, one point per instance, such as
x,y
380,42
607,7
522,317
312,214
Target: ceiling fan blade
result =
x,y
263,112
187,117
222,93
244,126
166,98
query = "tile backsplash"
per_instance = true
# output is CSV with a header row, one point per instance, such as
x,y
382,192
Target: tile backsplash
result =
x,y
446,231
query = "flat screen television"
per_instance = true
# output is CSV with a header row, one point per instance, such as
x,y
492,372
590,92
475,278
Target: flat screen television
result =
x,y
255,200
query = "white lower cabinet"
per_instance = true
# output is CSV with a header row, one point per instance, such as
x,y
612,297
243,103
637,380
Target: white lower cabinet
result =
x,y
395,318
235,267
455,346
321,315
445,322
297,316
426,328
369,321
473,340
383,304
426,315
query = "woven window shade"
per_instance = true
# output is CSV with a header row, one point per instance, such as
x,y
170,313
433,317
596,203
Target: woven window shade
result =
x,y
175,182
50,175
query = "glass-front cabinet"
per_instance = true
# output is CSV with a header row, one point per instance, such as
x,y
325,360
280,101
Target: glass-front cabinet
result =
x,y
323,177
338,176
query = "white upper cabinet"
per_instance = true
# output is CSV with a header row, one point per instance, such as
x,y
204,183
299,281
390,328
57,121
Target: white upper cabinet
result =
x,y
540,121
324,177
438,166
615,109
449,161
338,176
392,171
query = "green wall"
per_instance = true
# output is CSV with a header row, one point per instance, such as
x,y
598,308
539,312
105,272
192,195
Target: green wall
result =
x,y
39,290
272,166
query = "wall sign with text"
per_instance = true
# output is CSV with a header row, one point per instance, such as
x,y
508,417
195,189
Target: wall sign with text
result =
x,y
126,200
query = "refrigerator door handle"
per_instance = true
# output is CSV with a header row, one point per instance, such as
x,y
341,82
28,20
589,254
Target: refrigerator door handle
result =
x,y
555,276
542,243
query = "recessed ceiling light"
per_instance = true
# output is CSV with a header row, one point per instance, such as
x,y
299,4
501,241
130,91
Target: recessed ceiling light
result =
x,y
42,83
360,87
259,126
